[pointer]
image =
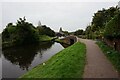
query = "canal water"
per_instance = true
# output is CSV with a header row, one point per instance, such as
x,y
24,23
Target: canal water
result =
x,y
19,60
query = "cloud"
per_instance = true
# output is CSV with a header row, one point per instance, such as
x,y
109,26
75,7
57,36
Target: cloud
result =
x,y
69,15
59,0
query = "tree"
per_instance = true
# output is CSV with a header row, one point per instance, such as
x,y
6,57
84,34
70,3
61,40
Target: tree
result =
x,y
99,21
44,30
102,17
20,34
78,32
27,32
112,28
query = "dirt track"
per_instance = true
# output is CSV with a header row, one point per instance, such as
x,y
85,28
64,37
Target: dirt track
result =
x,y
97,66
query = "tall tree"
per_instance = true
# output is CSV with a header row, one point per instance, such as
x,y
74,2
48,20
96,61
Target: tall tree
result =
x,y
21,33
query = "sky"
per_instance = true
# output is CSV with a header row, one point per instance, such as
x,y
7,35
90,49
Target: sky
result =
x,y
71,16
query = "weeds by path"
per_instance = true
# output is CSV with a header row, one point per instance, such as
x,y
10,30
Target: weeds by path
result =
x,y
112,55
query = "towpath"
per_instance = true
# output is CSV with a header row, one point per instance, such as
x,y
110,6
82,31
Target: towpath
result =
x,y
97,66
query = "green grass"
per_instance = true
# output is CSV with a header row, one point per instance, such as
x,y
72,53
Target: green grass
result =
x,y
68,63
59,41
45,38
112,55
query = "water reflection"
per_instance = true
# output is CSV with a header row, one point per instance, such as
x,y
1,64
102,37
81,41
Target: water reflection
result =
x,y
23,56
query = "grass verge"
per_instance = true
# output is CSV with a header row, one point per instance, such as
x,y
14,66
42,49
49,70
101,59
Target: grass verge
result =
x,y
45,38
68,63
112,55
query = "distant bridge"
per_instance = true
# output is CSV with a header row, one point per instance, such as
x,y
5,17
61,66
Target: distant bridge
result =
x,y
69,40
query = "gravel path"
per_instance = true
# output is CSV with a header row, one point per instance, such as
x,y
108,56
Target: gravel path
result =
x,y
97,66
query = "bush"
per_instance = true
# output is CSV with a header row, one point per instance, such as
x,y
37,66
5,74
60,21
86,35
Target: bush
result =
x,y
112,55
112,28
20,34
44,30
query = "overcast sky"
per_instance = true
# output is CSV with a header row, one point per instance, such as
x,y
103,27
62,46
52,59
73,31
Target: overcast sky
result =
x,y
68,15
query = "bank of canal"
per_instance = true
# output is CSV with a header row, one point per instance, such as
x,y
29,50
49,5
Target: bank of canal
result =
x,y
68,63
17,61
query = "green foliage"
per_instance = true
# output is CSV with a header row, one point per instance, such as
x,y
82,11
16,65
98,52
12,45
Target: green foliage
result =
x,y
102,17
20,34
27,32
112,55
99,21
112,28
78,32
44,30
68,63
45,38
88,32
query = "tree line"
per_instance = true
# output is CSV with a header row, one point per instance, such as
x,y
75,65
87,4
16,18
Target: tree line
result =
x,y
105,24
23,33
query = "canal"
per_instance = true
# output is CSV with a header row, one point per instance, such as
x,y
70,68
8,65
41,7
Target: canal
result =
x,y
17,61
